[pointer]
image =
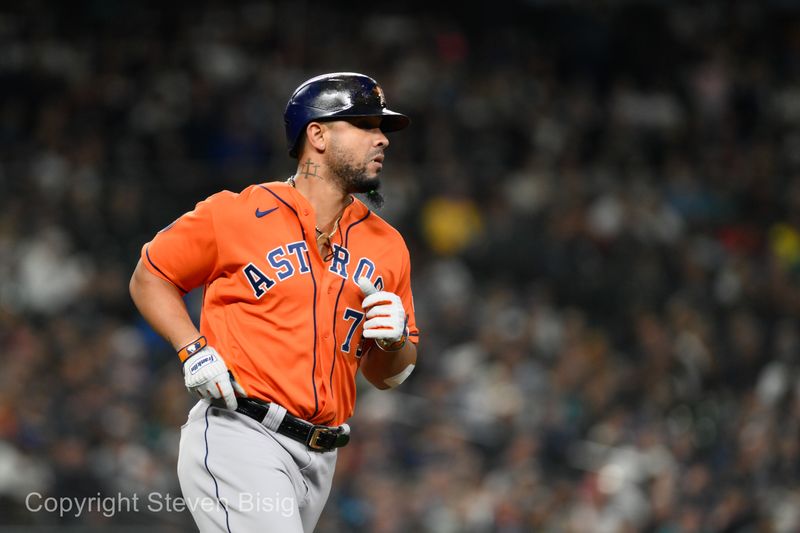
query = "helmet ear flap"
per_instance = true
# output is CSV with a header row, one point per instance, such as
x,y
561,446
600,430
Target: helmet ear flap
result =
x,y
330,96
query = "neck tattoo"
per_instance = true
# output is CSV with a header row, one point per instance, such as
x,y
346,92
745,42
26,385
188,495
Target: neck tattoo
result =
x,y
310,169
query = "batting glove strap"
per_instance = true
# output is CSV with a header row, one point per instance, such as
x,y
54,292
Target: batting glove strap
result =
x,y
192,348
388,345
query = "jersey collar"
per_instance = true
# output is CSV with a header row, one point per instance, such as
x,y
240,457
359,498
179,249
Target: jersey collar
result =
x,y
352,213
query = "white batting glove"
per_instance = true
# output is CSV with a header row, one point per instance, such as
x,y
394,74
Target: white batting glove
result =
x,y
386,317
206,374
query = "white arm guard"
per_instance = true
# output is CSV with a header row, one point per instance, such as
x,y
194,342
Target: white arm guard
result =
x,y
396,380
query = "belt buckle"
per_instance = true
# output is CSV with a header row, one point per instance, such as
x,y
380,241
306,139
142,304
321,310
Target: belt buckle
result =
x,y
316,434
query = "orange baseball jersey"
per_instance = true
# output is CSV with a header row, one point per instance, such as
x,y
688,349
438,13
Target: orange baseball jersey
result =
x,y
287,323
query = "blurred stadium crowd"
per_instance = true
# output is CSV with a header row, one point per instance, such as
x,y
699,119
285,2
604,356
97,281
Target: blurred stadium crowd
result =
x,y
603,209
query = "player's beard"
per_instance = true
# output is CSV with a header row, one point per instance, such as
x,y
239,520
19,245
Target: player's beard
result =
x,y
353,178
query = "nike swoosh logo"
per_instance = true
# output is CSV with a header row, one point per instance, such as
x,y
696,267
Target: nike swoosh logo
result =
x,y
260,213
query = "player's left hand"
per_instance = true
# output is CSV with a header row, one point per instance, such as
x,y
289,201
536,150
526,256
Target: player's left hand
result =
x,y
386,316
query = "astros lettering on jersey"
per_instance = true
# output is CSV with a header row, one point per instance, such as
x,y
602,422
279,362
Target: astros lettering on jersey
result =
x,y
254,252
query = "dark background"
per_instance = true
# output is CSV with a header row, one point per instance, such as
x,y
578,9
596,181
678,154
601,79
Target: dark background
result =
x,y
602,203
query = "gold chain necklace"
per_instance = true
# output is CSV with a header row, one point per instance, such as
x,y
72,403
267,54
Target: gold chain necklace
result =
x,y
323,239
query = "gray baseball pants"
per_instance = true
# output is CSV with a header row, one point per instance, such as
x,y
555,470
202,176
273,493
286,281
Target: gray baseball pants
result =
x,y
237,476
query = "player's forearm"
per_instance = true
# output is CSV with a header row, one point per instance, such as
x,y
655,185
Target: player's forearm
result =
x,y
162,306
379,366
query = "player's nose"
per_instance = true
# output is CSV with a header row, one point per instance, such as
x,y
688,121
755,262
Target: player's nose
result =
x,y
381,139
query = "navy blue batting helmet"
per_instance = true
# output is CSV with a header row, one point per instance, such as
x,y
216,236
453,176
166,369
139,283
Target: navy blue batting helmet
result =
x,y
334,96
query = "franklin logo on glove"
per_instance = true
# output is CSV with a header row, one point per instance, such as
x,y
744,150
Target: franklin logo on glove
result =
x,y
201,363
207,375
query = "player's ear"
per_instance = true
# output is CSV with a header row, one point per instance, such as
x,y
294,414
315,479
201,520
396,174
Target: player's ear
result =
x,y
316,136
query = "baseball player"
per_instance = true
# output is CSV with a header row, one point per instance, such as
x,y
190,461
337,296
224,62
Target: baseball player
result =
x,y
303,286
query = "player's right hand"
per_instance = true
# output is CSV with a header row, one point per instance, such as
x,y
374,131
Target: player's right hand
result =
x,y
206,374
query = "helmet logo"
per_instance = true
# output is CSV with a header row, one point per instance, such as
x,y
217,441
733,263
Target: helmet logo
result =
x,y
379,93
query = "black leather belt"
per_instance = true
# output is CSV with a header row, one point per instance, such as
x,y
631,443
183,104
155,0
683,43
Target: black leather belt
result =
x,y
317,438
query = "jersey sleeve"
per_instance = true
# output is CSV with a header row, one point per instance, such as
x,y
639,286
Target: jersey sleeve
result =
x,y
404,292
185,252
